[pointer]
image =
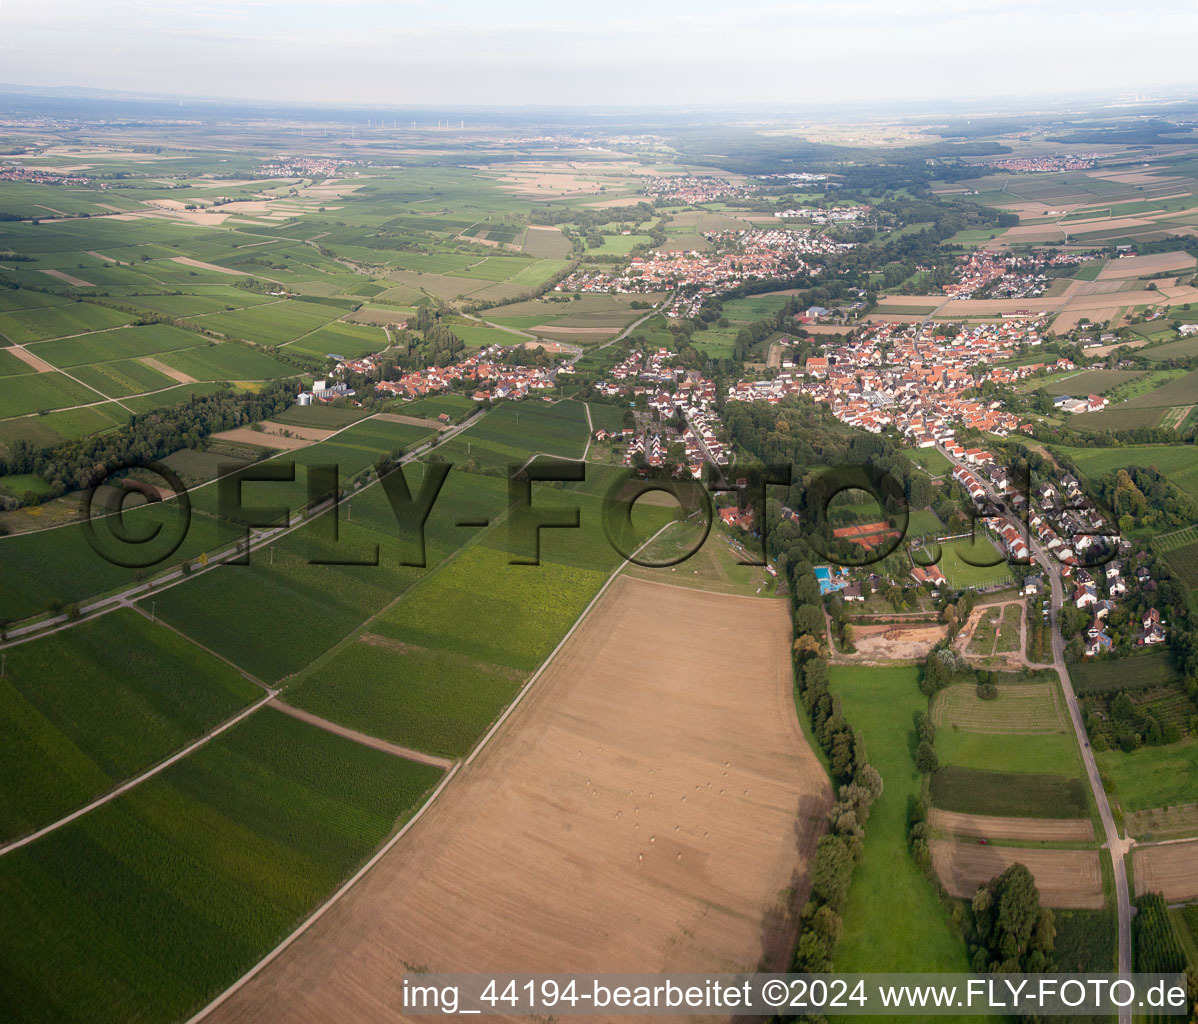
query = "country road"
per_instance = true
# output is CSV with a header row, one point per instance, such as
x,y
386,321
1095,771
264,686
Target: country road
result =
x,y
1117,846
86,612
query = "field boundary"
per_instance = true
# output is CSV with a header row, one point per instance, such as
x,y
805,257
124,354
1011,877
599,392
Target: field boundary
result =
x,y
390,844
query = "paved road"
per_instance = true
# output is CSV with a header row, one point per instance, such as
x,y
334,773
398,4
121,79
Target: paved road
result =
x,y
1114,843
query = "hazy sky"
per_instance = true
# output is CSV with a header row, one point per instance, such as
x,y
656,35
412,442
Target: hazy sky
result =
x,y
641,52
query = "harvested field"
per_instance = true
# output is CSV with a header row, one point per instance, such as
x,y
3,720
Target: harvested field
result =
x,y
412,421
985,826
170,371
247,435
896,643
76,281
187,261
1170,869
1065,878
693,800
28,357
1135,266
305,433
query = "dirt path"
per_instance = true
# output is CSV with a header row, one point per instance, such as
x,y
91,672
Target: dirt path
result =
x,y
640,811
361,737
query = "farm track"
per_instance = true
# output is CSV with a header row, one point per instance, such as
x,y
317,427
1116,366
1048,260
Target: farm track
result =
x,y
639,759
1117,846
360,737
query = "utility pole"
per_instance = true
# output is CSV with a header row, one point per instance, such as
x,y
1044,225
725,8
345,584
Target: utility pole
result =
x,y
153,611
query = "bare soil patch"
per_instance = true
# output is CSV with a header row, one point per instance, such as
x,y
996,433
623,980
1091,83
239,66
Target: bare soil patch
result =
x,y
37,362
247,435
170,371
412,421
639,810
897,643
76,281
1170,869
1065,878
985,826
1134,266
187,261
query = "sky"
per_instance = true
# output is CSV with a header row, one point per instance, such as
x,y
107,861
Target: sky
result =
x,y
695,54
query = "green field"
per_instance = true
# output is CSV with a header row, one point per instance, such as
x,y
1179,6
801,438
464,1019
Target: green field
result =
x,y
86,708
961,574
122,378
36,324
894,920
1179,462
1009,794
228,361
123,343
147,907
1047,754
24,394
1184,562
1152,776
1138,672
274,323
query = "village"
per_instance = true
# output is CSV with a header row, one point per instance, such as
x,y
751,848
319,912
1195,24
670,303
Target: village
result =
x,y
739,256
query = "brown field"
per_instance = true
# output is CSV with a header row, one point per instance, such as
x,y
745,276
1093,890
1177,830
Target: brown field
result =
x,y
101,256
187,261
247,435
1063,830
1065,878
546,242
1175,822
411,421
76,281
1170,869
170,371
37,362
637,811
896,643
306,433
1134,266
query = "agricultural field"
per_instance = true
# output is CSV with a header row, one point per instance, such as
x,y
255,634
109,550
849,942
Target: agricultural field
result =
x,y
1152,776
1144,410
227,361
89,707
1137,672
1184,562
1178,462
692,795
122,343
37,324
24,394
274,323
1009,794
888,888
167,894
